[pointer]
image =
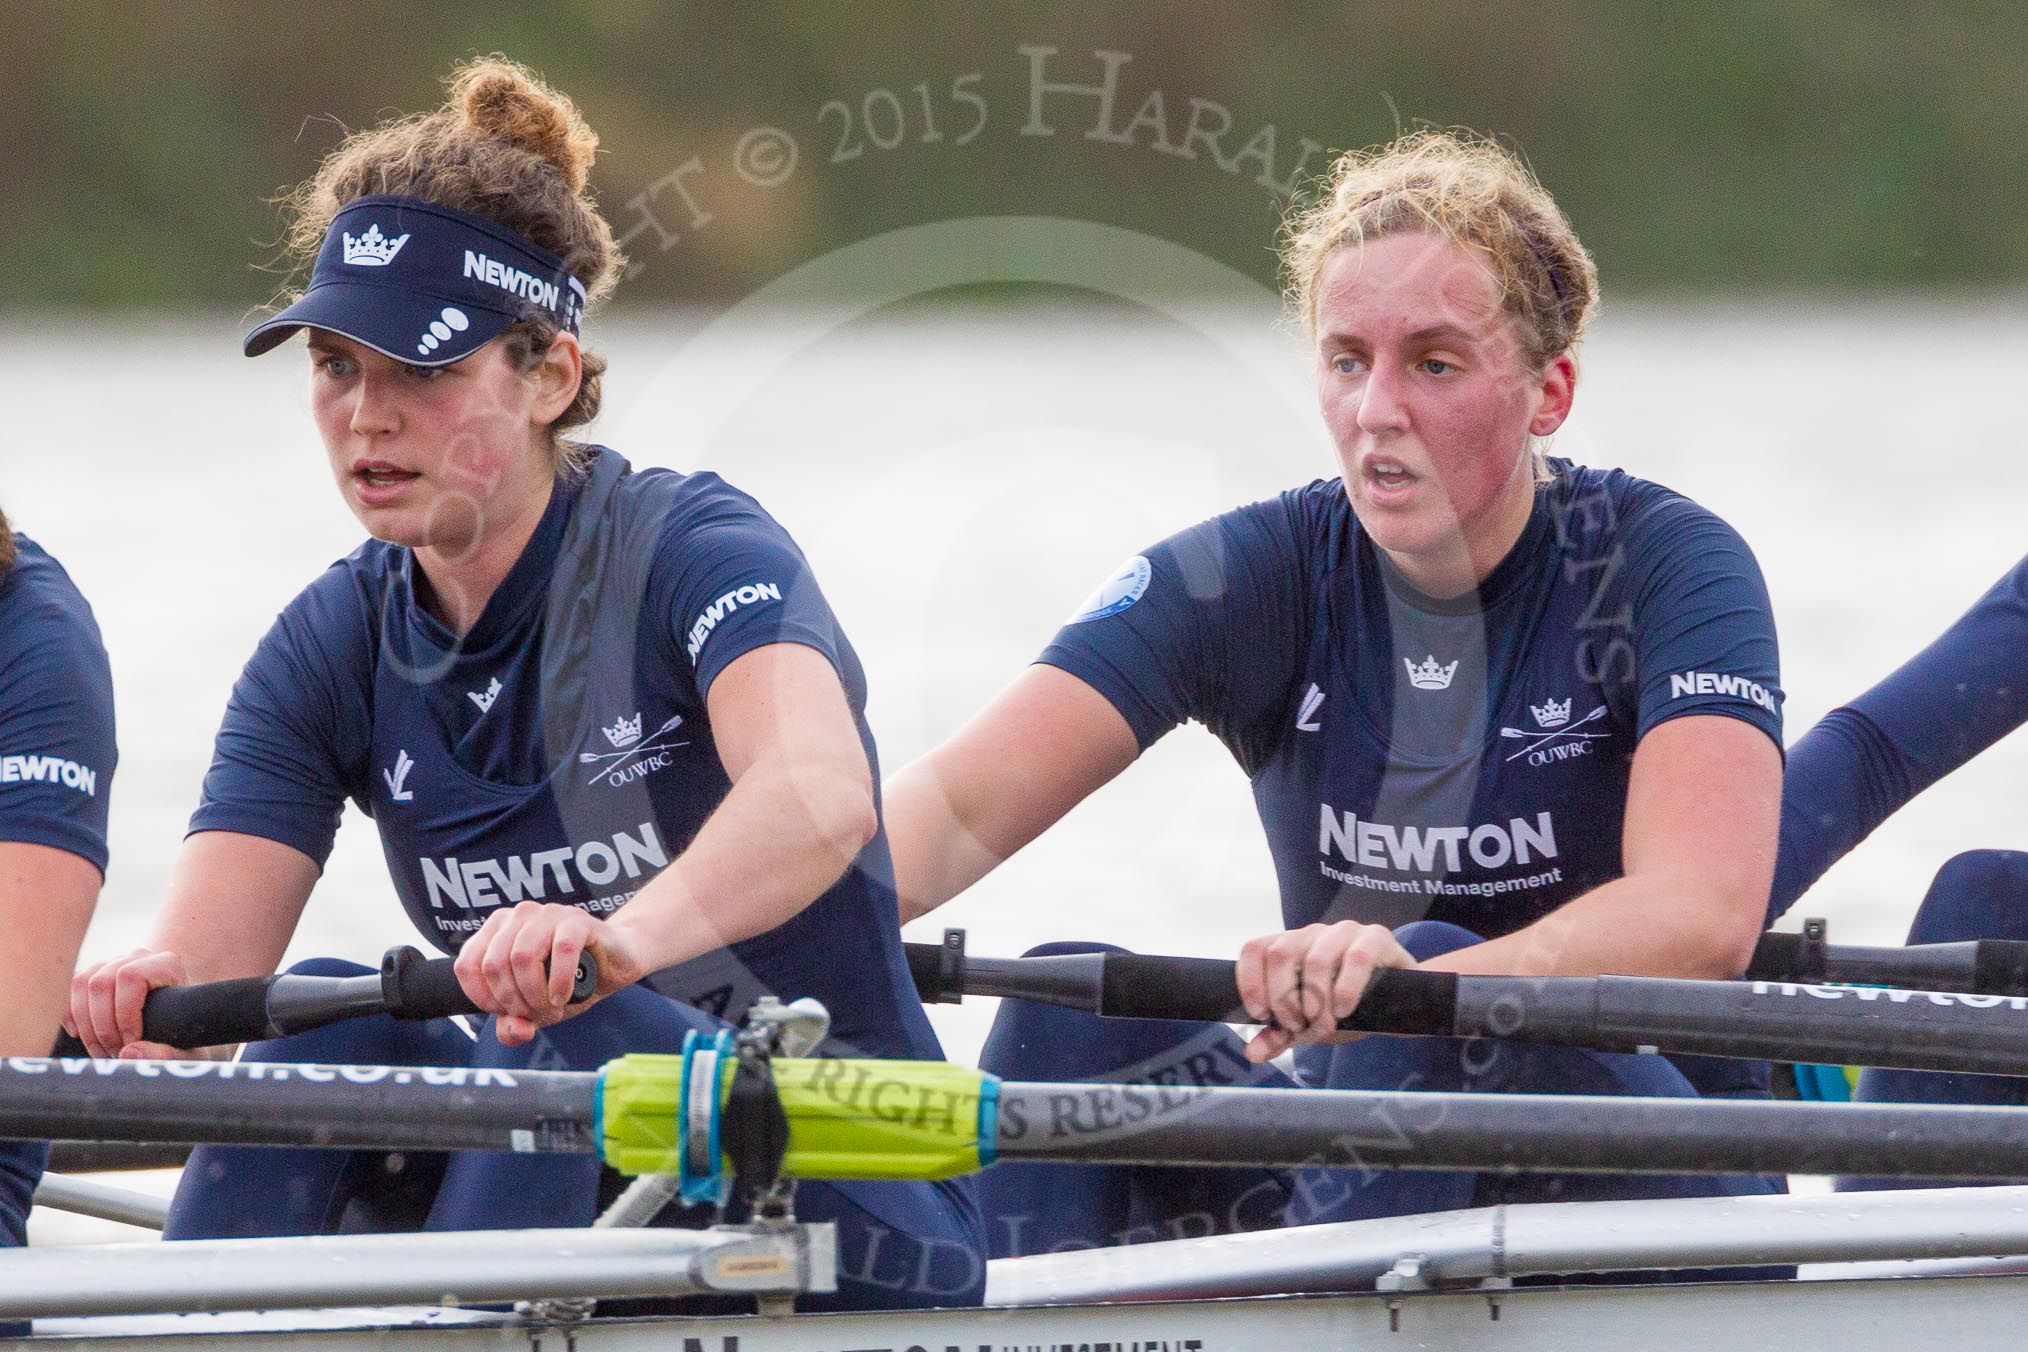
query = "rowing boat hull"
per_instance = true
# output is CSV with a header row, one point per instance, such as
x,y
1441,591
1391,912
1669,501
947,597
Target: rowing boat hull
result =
x,y
1838,1316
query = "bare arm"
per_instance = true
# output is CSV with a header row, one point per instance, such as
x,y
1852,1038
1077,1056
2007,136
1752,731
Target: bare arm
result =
x,y
799,811
1045,743
233,902
46,899
1698,846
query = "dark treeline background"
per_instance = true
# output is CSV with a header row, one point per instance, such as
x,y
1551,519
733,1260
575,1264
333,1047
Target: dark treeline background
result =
x,y
1745,147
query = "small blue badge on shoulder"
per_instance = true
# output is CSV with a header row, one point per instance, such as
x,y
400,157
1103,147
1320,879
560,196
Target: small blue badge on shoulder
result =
x,y
1126,586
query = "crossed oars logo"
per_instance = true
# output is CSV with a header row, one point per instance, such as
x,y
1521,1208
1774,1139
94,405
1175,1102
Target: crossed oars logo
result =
x,y
1537,740
623,759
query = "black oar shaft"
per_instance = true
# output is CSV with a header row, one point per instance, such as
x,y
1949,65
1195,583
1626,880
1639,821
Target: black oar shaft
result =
x,y
1148,1124
1751,1020
251,1103
1754,1020
1984,966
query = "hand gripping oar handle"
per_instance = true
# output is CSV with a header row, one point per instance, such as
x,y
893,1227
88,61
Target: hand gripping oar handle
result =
x,y
1978,1033
1140,986
1134,986
250,1009
945,972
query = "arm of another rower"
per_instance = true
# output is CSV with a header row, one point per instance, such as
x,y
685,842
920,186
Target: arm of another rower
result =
x,y
1045,742
234,902
46,899
1698,846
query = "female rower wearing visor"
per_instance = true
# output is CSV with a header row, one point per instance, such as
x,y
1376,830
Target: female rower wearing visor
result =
x,y
1502,714
582,703
56,779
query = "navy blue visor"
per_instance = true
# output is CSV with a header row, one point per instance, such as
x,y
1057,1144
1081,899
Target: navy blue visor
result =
x,y
424,284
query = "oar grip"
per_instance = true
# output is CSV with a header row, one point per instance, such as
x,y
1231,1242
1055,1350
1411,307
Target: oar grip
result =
x,y
211,1014
416,987
2001,967
1781,956
1141,986
1137,986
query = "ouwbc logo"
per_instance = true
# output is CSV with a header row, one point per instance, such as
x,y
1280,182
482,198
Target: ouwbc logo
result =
x,y
637,757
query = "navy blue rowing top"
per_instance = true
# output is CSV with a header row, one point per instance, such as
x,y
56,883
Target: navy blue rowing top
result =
x,y
561,751
56,711
1864,760
1412,758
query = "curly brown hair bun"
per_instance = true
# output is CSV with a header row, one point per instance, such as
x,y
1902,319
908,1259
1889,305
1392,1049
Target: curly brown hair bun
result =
x,y
504,146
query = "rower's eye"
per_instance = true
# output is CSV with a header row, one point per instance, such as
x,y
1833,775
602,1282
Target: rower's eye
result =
x,y
331,364
423,374
1437,366
1346,365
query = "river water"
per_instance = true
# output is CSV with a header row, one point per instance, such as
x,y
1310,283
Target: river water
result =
x,y
962,480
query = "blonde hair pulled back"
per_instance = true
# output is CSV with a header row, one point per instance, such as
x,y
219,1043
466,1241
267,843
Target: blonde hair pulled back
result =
x,y
1471,191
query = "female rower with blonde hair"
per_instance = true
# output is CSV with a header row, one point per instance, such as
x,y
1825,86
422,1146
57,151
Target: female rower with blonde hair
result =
x,y
1502,714
590,709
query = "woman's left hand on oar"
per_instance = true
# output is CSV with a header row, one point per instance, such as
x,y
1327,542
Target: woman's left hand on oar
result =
x,y
1302,982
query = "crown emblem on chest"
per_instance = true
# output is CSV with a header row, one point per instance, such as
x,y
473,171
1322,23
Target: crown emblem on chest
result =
x,y
372,249
1429,675
624,732
1550,714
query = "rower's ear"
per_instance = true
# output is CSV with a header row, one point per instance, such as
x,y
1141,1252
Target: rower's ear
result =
x,y
1556,388
558,373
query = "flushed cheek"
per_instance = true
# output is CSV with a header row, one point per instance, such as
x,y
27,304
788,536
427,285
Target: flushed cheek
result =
x,y
473,462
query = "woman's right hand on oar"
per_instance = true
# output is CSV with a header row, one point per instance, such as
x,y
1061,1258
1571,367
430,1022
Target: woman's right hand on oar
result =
x,y
1301,982
106,1000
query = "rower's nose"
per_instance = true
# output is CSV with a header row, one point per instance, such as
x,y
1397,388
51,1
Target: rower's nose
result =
x,y
1383,403
375,411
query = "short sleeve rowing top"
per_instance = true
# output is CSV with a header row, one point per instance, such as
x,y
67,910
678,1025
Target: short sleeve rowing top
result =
x,y
1463,760
1864,760
562,750
57,752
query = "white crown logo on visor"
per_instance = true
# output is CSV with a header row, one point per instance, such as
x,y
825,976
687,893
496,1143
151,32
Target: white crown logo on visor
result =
x,y
372,249
451,320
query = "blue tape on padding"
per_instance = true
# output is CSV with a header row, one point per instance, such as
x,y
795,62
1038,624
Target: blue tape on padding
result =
x,y
989,1120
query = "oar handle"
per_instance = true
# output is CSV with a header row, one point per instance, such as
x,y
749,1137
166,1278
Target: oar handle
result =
x,y
1146,986
250,1009
1139,986
210,1014
415,987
